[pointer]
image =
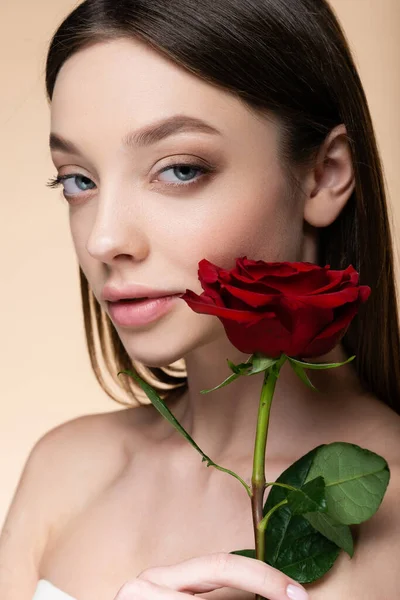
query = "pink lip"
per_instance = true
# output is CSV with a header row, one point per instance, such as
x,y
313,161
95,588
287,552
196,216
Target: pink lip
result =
x,y
114,293
131,313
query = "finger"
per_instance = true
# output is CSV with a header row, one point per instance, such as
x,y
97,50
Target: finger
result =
x,y
207,573
142,589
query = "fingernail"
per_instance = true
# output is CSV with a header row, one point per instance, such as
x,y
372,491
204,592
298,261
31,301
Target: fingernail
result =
x,y
296,593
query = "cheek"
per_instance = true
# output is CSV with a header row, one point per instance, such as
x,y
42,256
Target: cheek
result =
x,y
249,221
80,231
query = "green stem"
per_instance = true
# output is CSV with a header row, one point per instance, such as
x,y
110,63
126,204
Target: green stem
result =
x,y
258,477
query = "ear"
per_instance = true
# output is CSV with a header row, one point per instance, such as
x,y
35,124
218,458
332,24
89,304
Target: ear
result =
x,y
331,180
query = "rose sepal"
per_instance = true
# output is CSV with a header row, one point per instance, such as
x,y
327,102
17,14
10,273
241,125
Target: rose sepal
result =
x,y
256,363
299,367
308,365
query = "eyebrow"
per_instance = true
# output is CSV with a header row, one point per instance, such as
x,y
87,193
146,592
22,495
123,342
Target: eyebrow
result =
x,y
147,135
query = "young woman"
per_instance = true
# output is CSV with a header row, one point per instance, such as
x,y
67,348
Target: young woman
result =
x,y
182,131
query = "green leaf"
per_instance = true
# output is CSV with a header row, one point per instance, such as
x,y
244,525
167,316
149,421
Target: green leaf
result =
x,y
320,365
301,373
165,412
305,554
355,478
248,553
309,498
292,544
226,382
336,532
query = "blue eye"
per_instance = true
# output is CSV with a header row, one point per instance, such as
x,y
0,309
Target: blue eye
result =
x,y
186,168
85,184
80,180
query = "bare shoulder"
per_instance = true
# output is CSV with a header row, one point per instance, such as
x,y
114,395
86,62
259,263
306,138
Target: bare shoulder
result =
x,y
378,539
372,572
83,456
379,427
65,469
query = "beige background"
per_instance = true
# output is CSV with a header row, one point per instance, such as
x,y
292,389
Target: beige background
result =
x,y
45,372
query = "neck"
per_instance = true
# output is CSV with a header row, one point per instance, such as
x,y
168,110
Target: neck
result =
x,y
223,422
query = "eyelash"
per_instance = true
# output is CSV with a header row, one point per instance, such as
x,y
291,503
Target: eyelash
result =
x,y
55,182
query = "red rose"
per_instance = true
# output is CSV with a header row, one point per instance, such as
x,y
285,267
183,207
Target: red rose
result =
x,y
293,308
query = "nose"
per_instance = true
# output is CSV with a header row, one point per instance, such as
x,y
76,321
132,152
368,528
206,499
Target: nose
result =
x,y
116,232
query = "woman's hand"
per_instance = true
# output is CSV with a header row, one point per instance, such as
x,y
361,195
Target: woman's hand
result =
x,y
207,573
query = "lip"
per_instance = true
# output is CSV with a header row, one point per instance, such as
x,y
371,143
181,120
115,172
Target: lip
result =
x,y
113,293
142,312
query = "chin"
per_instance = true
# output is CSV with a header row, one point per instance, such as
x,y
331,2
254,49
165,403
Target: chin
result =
x,y
163,348
158,353
158,363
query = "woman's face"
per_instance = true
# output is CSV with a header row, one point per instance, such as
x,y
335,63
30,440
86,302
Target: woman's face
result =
x,y
147,214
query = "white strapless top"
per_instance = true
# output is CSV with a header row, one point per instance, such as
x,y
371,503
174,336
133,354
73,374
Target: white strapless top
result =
x,y
47,591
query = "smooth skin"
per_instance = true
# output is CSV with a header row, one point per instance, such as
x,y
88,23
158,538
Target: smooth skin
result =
x,y
119,506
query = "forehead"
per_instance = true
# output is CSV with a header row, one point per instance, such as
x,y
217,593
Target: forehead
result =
x,y
123,84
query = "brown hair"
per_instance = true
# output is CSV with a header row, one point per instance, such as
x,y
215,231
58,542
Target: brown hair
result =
x,y
289,57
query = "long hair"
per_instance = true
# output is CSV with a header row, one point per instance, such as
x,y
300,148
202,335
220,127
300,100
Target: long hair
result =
x,y
290,58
